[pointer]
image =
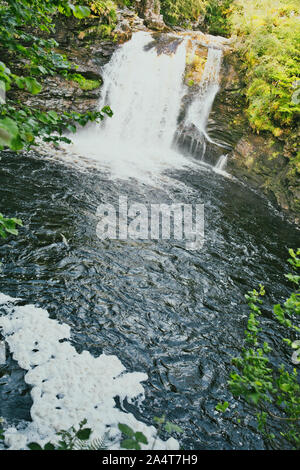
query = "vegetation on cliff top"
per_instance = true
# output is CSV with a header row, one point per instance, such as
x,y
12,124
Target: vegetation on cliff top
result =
x,y
267,42
268,34
213,14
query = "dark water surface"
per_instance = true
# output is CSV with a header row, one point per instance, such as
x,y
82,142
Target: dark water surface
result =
x,y
175,314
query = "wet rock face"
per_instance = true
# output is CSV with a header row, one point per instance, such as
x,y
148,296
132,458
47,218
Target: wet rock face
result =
x,y
164,44
62,95
102,52
260,160
123,30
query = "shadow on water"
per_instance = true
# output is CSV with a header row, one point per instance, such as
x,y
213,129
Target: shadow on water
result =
x,y
175,314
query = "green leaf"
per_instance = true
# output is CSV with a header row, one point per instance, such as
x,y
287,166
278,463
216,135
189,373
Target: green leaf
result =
x,y
140,437
80,11
171,427
84,434
16,143
34,446
130,444
32,85
53,115
285,387
49,446
8,131
62,445
12,231
71,128
126,430
222,407
159,420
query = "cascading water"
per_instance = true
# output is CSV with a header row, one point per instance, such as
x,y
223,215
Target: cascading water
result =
x,y
143,85
144,89
194,124
200,108
221,164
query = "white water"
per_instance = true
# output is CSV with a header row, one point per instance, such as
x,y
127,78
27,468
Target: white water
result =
x,y
68,387
200,108
221,163
220,167
144,90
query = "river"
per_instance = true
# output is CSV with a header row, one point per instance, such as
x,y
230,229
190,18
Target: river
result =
x,y
175,314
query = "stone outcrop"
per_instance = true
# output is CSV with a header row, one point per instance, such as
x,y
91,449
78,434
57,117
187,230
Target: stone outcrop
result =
x,y
149,10
260,160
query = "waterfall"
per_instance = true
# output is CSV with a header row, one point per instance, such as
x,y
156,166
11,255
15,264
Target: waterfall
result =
x,y
144,90
143,84
221,164
200,108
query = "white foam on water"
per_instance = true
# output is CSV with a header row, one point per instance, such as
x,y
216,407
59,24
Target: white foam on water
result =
x,y
4,299
68,387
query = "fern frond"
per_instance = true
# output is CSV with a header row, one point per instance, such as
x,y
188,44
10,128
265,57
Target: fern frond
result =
x,y
96,444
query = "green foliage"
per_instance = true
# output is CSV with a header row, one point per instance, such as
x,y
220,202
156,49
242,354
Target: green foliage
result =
x,y
84,83
80,439
167,425
182,12
222,407
217,17
275,391
268,34
105,8
8,226
23,49
73,439
133,439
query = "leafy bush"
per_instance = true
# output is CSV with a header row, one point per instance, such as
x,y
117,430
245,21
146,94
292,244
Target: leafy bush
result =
x,y
217,17
268,34
182,12
27,59
214,14
73,439
80,439
273,390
